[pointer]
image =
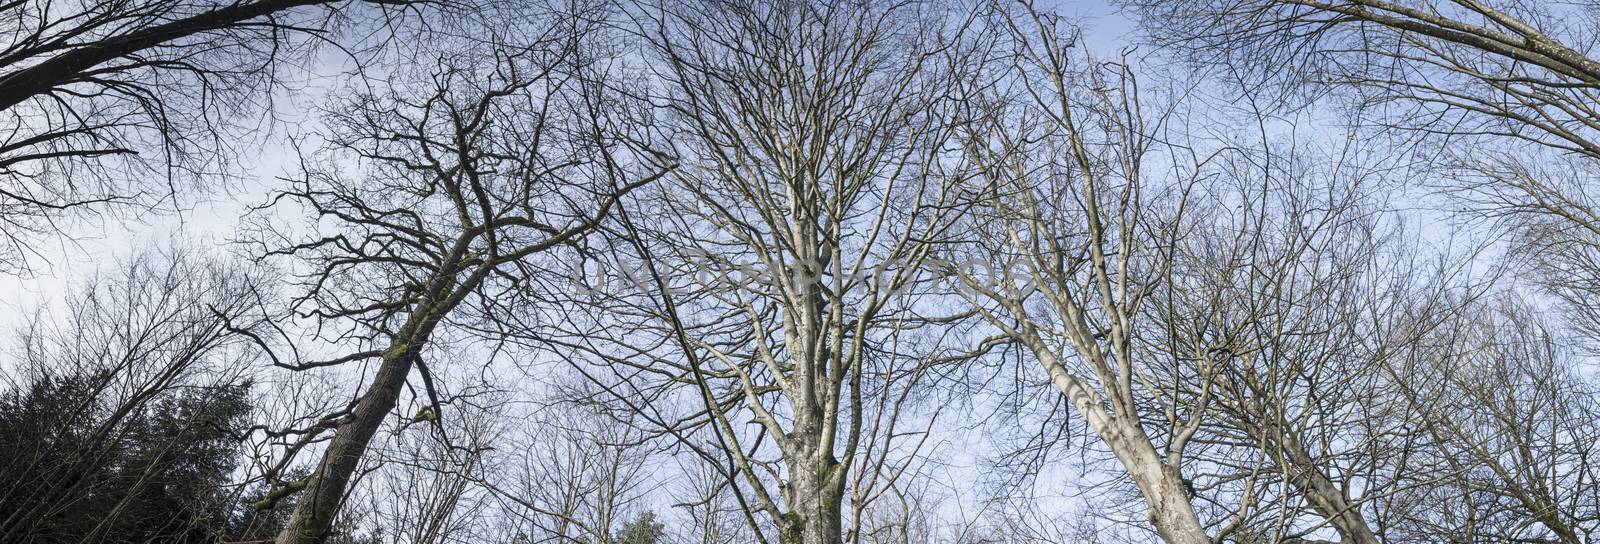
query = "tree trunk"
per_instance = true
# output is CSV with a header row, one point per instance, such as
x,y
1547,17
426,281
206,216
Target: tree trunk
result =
x,y
1165,493
324,493
38,78
814,498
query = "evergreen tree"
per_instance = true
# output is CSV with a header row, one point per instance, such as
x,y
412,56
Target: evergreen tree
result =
x,y
155,472
642,530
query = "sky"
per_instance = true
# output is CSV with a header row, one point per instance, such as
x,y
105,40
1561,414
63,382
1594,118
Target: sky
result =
x,y
206,220
209,220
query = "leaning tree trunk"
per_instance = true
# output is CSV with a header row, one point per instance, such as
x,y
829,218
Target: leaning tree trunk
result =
x,y
325,490
1324,494
1167,497
43,76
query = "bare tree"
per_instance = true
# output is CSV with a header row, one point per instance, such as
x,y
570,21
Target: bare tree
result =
x,y
711,511
1295,284
796,252
1073,240
425,488
1504,92
576,476
1511,68
510,148
772,325
1502,97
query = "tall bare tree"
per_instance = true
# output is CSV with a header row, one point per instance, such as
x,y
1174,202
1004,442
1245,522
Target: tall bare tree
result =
x,y
1503,95
1508,415
1074,238
1498,97
575,476
426,489
1296,284
775,273
437,201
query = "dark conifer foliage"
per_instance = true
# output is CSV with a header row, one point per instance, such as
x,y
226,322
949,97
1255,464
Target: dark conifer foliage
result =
x,y
70,474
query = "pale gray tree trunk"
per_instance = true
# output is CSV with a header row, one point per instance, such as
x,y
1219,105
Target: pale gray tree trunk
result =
x,y
814,497
1069,210
1166,496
